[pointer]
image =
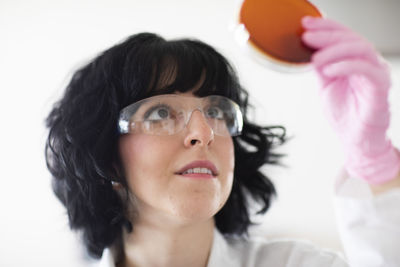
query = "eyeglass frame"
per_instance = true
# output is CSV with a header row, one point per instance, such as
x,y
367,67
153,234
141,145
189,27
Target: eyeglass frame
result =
x,y
127,112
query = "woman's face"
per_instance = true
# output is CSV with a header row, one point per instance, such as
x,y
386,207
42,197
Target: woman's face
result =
x,y
154,167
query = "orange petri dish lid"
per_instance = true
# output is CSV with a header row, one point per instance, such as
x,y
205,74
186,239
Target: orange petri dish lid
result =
x,y
273,30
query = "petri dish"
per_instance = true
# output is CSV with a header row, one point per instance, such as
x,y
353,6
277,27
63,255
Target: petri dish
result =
x,y
270,30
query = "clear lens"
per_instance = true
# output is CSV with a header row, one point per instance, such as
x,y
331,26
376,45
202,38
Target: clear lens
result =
x,y
168,114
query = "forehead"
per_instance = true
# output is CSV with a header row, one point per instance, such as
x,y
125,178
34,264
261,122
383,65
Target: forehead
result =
x,y
171,81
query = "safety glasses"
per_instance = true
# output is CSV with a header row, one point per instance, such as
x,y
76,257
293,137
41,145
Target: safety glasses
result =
x,y
169,114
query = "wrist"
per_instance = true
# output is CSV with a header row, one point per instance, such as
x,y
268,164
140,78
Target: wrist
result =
x,y
386,186
375,169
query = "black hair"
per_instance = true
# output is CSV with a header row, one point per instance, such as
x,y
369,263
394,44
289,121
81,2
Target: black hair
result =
x,y
82,152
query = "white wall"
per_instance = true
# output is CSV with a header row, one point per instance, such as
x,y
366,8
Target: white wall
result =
x,y
42,42
377,20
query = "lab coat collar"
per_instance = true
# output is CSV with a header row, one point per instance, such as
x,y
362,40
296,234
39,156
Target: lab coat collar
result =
x,y
219,247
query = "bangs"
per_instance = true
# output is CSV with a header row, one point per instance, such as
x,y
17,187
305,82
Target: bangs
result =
x,y
180,66
151,65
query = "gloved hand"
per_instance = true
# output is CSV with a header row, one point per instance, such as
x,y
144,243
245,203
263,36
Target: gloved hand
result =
x,y
355,87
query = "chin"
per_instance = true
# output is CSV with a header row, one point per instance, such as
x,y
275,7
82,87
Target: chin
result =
x,y
196,211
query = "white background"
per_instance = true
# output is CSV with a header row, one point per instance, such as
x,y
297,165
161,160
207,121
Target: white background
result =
x,y
43,42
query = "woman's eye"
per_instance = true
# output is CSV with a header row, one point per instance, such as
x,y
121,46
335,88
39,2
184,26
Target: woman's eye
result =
x,y
215,113
158,113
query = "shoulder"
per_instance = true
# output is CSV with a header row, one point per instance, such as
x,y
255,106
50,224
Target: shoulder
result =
x,y
259,252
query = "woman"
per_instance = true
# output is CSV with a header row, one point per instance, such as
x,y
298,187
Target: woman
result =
x,y
156,162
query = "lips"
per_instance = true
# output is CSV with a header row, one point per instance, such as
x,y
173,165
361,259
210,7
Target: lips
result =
x,y
200,164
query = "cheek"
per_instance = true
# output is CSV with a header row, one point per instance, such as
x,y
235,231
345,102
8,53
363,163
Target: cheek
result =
x,y
231,157
227,157
133,154
143,166
228,154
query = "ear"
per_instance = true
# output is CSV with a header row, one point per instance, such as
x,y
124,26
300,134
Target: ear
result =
x,y
116,176
116,185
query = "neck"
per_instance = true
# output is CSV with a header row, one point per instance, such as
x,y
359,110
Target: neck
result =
x,y
166,245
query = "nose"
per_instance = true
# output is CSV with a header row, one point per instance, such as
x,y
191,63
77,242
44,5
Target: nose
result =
x,y
198,131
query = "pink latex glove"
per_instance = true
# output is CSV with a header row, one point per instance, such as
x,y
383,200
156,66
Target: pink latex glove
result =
x,y
355,87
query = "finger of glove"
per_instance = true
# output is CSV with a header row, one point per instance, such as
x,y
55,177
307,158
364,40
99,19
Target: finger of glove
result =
x,y
323,38
360,50
313,23
338,104
377,75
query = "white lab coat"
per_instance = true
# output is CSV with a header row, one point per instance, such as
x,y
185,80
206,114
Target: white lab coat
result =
x,y
239,252
369,226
